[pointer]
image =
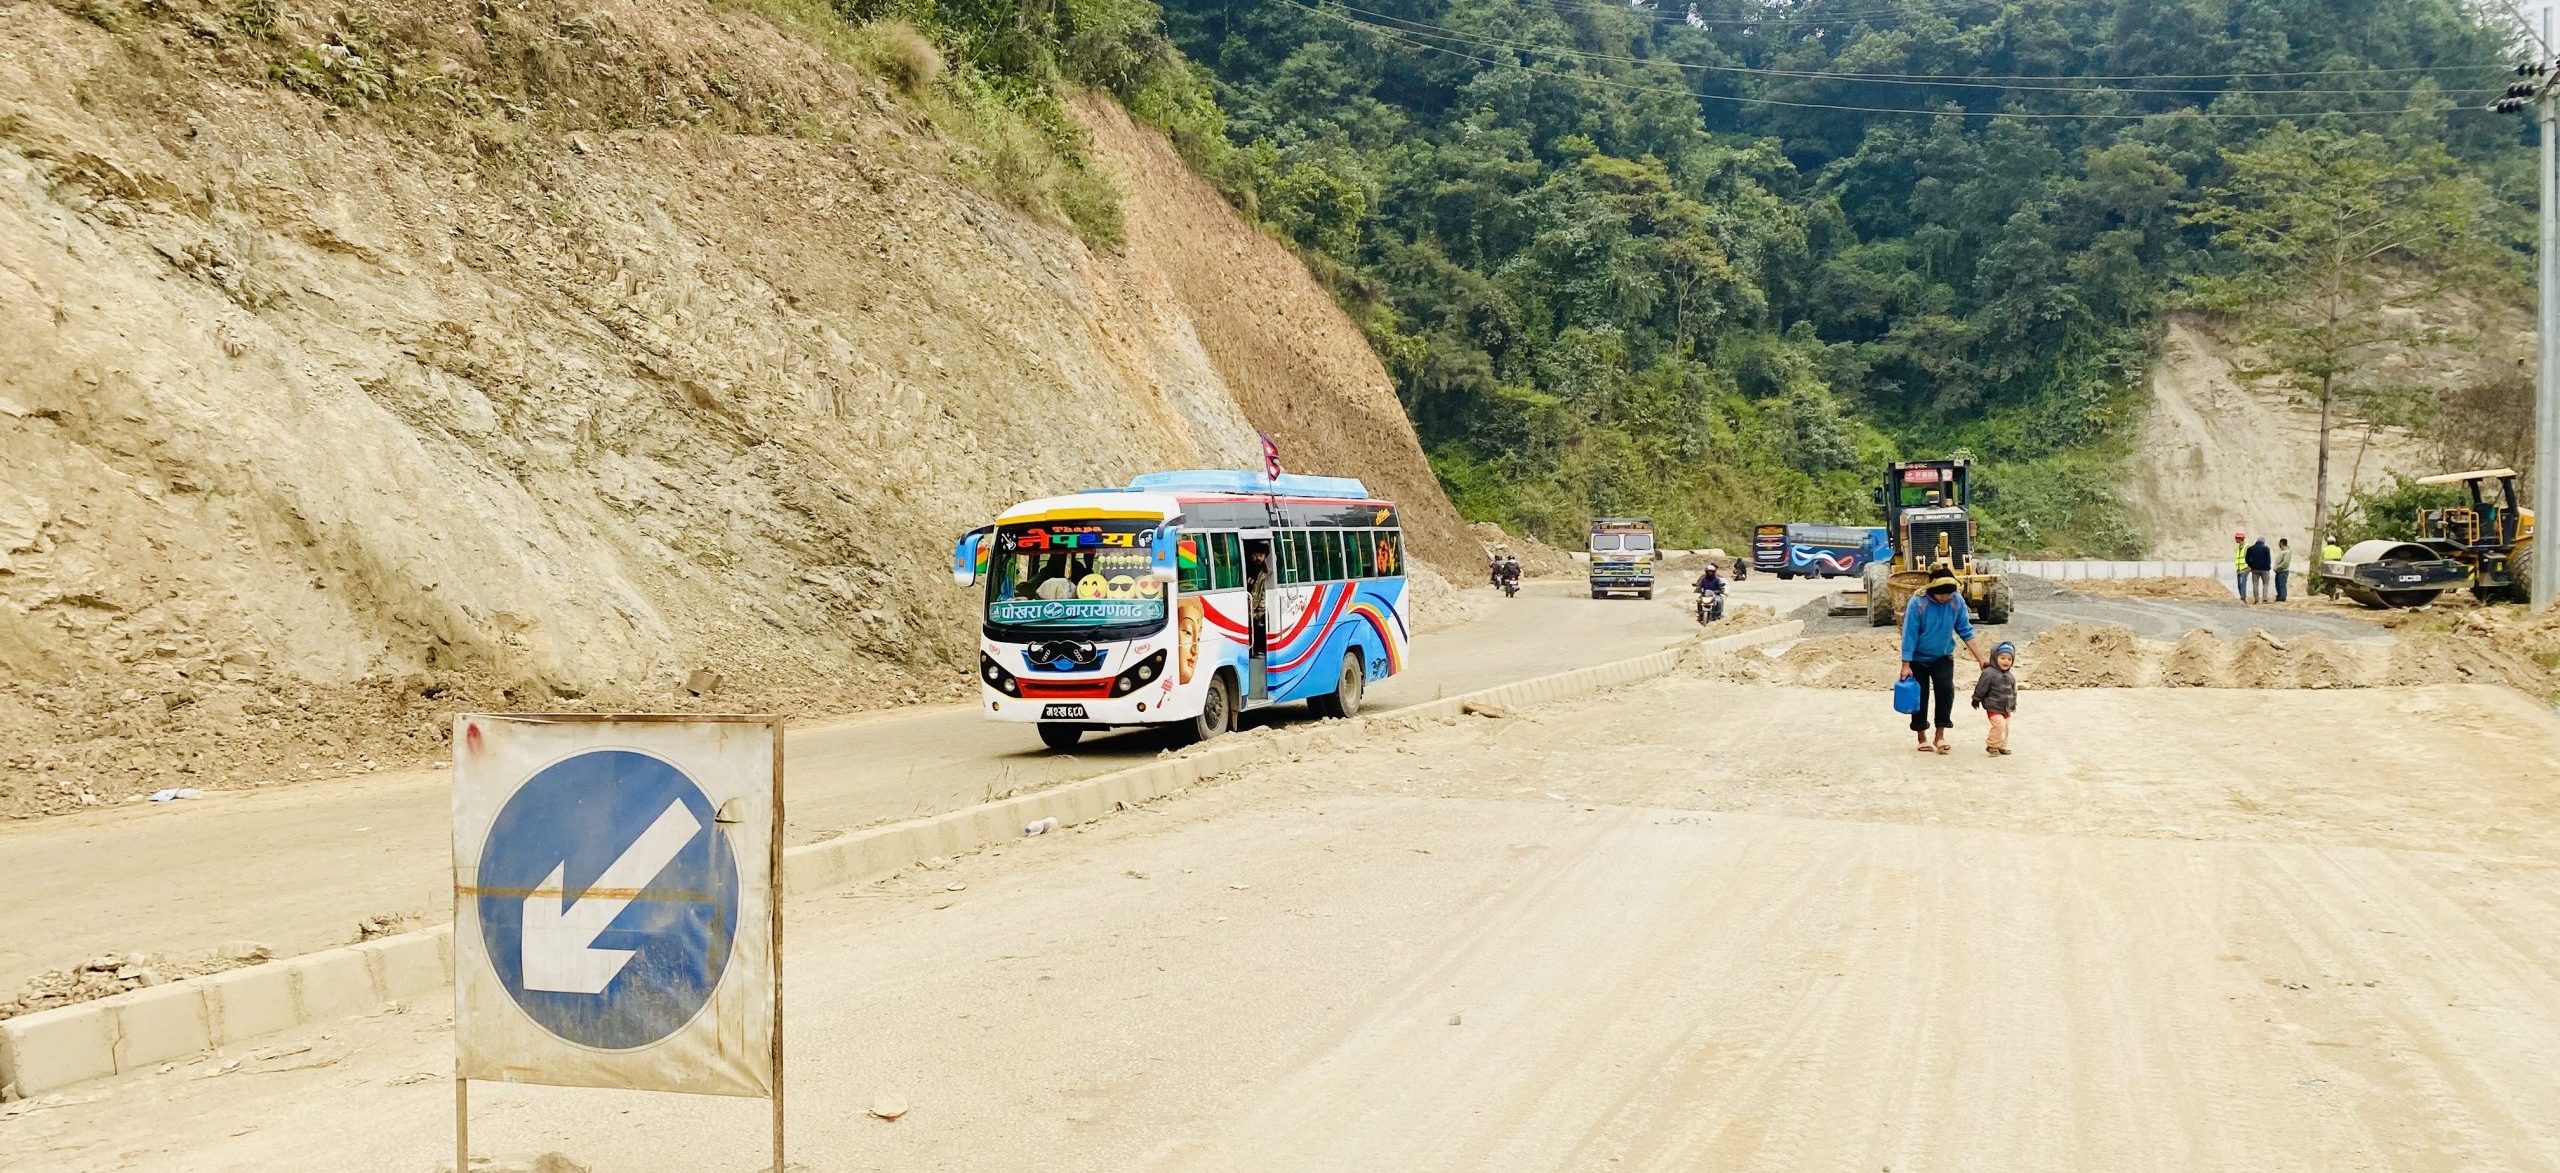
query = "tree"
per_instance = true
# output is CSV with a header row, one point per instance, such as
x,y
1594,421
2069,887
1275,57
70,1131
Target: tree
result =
x,y
2328,237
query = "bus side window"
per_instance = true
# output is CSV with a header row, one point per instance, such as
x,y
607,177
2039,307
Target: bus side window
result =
x,y
1302,556
1329,554
1361,546
1390,553
1193,559
1230,562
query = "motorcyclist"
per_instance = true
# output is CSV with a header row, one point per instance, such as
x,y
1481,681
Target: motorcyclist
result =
x,y
1506,572
1493,566
1710,588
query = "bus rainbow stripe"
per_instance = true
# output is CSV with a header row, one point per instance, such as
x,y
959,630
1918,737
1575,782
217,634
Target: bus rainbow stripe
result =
x,y
1386,633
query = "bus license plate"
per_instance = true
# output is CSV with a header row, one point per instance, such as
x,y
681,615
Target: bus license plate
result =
x,y
1062,712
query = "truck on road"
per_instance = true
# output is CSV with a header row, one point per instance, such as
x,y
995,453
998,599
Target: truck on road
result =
x,y
1622,556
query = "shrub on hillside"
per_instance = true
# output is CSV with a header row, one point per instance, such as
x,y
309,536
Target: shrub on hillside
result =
x,y
902,56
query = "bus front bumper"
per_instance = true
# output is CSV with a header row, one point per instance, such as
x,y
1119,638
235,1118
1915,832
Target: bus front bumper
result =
x,y
1146,708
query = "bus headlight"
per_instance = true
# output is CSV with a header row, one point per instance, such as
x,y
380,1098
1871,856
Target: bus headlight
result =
x,y
1137,675
996,677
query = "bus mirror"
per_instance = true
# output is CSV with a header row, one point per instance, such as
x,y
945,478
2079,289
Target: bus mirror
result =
x,y
1162,554
969,556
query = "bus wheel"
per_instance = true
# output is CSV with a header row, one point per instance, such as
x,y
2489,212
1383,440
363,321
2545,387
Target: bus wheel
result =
x,y
1060,736
1217,712
1347,691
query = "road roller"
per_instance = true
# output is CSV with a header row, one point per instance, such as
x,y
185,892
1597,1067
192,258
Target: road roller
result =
x,y
2383,573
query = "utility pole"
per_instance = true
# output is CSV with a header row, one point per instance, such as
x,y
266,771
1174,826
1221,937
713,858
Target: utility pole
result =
x,y
2537,89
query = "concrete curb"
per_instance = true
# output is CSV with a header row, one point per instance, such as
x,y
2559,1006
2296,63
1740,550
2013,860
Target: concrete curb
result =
x,y
141,1029
144,1028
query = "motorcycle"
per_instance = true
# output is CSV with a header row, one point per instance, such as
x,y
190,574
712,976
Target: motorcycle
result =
x,y
1741,570
1710,607
1510,585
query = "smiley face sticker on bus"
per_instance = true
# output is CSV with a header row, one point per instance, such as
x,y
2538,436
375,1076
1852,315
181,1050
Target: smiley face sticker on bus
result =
x,y
1093,586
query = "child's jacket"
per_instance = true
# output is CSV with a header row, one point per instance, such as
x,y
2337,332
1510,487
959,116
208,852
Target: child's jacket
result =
x,y
1996,690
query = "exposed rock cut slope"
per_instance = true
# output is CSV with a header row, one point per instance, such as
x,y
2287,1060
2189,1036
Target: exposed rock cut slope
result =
x,y
393,359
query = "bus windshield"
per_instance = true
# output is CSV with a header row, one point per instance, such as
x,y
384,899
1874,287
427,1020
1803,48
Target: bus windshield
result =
x,y
1608,542
1057,576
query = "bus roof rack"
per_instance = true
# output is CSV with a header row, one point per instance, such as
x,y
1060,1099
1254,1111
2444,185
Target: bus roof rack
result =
x,y
1220,480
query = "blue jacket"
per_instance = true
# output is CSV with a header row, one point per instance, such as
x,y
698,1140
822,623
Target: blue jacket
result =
x,y
1930,628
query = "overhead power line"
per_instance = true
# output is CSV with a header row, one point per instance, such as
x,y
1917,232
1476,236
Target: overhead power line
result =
x,y
1436,32
1674,19
1400,36
1792,17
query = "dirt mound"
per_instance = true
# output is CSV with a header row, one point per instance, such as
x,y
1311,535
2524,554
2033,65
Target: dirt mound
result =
x,y
1537,559
2197,660
2080,655
372,366
1861,660
2493,646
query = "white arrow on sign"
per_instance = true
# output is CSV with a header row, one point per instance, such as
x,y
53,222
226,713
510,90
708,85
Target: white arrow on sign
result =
x,y
559,942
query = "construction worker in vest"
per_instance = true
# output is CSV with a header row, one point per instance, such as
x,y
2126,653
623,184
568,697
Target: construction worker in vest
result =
x,y
2240,563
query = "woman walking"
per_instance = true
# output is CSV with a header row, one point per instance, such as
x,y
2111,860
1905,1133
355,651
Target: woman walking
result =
x,y
1931,624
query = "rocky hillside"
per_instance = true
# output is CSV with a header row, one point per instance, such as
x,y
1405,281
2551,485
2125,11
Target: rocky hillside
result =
x,y
358,364
2220,453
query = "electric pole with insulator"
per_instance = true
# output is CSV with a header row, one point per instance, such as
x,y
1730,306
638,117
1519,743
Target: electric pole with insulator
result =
x,y
2535,90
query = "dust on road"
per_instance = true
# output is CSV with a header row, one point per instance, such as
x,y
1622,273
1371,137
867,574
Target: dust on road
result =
x,y
1683,925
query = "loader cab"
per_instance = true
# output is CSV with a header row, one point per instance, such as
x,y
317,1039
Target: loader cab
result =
x,y
1928,515
2494,518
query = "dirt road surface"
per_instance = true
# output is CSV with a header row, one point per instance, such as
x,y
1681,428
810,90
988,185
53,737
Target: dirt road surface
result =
x,y
2042,606
296,866
1681,926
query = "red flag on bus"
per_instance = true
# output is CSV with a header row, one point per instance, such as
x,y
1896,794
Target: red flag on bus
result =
x,y
1270,457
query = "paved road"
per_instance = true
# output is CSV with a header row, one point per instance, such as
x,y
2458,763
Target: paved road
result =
x,y
1629,939
296,866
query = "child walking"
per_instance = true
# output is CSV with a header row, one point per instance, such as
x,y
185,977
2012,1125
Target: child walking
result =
x,y
1995,692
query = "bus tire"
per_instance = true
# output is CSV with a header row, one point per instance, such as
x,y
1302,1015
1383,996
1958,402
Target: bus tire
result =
x,y
1348,690
1217,712
1060,737
1786,575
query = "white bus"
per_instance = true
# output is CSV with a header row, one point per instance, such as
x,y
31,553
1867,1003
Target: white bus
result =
x,y
1186,599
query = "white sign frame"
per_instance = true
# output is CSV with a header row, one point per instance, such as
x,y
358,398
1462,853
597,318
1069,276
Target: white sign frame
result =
x,y
732,1044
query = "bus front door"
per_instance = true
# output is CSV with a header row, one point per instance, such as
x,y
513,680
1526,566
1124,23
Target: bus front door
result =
x,y
1257,592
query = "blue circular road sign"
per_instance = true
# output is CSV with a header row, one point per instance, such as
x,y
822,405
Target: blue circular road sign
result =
x,y
608,898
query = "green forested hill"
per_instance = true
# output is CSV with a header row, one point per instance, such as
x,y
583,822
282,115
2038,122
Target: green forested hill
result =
x,y
1716,262
1660,258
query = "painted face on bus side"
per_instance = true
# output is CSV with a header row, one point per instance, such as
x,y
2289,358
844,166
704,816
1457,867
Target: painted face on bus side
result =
x,y
1195,623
